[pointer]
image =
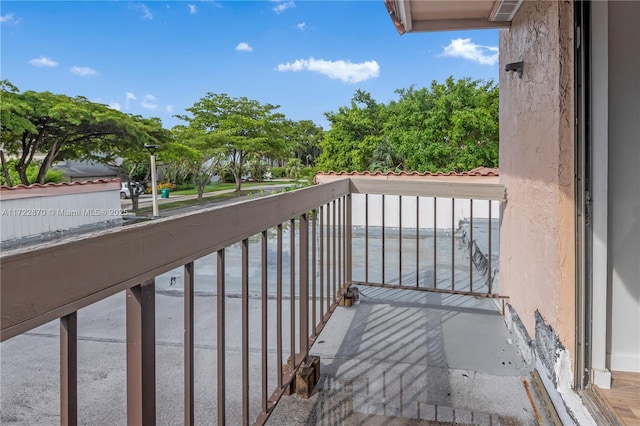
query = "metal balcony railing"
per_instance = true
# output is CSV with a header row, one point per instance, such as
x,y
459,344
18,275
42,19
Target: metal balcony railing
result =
x,y
322,225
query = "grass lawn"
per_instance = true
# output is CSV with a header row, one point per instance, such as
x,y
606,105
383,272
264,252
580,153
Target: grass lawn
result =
x,y
222,186
192,202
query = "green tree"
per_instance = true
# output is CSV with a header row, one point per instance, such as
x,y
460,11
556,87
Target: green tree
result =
x,y
192,154
32,172
305,139
130,155
293,168
450,126
355,133
257,168
236,127
386,158
61,127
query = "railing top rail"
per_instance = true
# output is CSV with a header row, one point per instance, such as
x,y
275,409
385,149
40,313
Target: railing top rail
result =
x,y
42,284
428,188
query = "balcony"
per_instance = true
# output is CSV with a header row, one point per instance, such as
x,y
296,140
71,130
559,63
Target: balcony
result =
x,y
216,316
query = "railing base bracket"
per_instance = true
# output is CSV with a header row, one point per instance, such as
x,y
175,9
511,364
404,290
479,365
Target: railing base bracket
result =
x,y
305,381
349,298
306,378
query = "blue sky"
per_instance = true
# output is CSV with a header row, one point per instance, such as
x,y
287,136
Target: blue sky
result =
x,y
156,58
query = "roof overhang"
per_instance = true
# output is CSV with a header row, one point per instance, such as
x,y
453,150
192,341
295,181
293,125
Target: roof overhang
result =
x,y
442,15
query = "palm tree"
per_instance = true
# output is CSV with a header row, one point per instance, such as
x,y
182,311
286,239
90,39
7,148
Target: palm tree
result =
x,y
293,168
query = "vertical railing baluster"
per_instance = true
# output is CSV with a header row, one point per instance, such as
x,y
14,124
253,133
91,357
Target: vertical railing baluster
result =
x,y
188,344
333,252
329,257
453,245
417,241
314,259
435,242
69,369
366,238
490,259
342,252
343,246
382,248
220,308
349,240
292,290
279,304
399,239
141,354
322,221
265,383
344,241
245,332
303,258
471,244
339,239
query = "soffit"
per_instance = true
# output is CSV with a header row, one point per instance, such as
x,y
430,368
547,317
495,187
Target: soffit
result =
x,y
439,15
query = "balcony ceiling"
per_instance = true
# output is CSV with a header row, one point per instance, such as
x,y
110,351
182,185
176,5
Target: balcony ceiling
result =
x,y
438,15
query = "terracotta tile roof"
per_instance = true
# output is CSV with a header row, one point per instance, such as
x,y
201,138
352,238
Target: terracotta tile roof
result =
x,y
58,185
478,171
56,189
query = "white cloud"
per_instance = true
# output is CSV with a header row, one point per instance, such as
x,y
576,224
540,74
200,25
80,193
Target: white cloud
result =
x,y
340,70
169,108
301,26
43,61
9,18
83,71
244,47
281,7
148,101
128,98
464,48
146,13
115,105
192,9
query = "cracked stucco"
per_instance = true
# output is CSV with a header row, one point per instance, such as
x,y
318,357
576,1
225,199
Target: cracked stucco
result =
x,y
537,167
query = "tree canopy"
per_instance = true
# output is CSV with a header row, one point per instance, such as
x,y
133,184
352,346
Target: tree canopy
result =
x,y
305,137
355,133
450,126
62,127
236,127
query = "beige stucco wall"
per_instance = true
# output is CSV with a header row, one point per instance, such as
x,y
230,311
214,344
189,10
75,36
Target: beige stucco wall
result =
x,y
537,243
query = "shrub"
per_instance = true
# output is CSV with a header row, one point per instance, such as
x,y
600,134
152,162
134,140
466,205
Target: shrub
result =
x,y
185,186
227,177
52,175
55,176
308,173
277,172
166,185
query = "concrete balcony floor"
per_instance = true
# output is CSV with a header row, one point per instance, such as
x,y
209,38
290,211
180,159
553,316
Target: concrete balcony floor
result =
x,y
396,357
403,357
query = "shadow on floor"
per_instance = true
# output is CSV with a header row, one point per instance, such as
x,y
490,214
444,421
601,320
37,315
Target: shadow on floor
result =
x,y
404,357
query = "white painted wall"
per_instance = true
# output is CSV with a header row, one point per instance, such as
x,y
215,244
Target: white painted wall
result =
x,y
30,212
624,186
461,208
599,133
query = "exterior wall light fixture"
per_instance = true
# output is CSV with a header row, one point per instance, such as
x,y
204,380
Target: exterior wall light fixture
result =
x,y
514,67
